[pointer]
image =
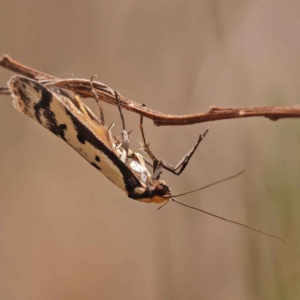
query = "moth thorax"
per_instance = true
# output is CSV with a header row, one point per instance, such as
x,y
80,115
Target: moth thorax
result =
x,y
161,189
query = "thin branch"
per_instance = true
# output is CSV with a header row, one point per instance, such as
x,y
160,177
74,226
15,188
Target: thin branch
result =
x,y
19,68
106,94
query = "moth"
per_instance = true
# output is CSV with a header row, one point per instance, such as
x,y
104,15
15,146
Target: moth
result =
x,y
71,120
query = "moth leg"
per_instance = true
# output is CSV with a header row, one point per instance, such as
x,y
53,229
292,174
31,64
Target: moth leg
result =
x,y
178,169
157,169
101,115
111,126
124,134
148,161
156,163
146,145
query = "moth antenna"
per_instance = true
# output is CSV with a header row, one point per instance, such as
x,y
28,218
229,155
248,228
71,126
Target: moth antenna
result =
x,y
168,201
231,221
206,186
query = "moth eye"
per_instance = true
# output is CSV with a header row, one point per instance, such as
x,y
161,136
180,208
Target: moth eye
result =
x,y
160,187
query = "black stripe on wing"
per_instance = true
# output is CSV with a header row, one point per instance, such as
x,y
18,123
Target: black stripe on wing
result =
x,y
84,134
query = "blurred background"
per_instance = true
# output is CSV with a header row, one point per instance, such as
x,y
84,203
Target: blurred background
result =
x,y
66,232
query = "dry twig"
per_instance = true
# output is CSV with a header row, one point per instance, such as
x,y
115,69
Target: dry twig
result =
x,y
105,93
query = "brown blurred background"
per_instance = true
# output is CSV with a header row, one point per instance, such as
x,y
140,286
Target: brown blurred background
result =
x,y
66,232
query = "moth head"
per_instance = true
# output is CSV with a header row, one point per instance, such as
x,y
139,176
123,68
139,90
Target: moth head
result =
x,y
161,192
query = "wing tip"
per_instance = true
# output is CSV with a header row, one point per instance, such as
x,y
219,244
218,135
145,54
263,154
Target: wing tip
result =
x,y
13,85
18,87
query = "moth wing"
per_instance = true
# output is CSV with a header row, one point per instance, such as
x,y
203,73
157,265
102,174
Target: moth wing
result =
x,y
61,116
